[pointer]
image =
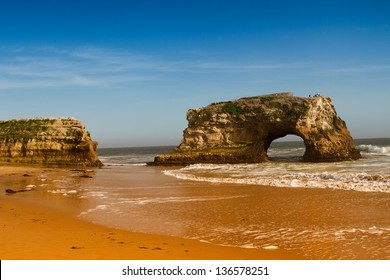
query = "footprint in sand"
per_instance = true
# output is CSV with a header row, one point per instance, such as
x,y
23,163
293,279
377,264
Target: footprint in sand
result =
x,y
76,247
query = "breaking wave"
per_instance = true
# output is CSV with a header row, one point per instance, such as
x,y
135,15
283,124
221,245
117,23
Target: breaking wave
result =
x,y
374,149
286,169
301,175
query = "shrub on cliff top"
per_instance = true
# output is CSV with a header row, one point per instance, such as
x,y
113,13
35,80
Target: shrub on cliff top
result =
x,y
232,108
23,128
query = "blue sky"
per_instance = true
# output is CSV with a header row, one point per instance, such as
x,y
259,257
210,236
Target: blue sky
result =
x,y
130,69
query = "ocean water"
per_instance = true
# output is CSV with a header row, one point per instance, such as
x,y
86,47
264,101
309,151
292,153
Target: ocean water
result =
x,y
132,155
286,169
316,210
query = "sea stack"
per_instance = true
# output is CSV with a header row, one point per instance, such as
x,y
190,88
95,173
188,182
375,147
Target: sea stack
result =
x,y
241,130
59,141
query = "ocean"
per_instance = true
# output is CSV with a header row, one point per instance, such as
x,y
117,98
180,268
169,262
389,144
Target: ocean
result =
x,y
316,210
286,168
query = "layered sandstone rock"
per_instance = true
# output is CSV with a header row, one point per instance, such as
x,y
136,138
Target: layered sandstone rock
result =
x,y
47,141
241,131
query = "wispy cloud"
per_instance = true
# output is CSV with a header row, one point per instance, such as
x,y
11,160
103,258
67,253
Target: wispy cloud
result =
x,y
82,81
46,67
28,84
51,67
354,70
232,67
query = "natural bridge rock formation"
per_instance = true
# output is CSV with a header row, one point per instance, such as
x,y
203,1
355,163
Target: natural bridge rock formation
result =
x,y
47,141
241,131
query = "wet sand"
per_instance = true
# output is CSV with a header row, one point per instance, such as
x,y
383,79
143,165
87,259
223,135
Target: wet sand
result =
x,y
308,222
31,228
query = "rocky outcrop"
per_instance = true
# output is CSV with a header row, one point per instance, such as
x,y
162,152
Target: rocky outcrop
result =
x,y
61,141
241,131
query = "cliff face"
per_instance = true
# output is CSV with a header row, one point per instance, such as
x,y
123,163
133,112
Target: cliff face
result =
x,y
241,131
47,141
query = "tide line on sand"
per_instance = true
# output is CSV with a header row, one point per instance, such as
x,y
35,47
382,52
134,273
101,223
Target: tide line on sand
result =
x,y
32,229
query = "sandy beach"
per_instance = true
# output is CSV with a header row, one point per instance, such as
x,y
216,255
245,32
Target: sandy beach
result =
x,y
137,212
32,229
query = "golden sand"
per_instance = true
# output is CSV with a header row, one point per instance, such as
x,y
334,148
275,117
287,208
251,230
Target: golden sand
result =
x,y
33,230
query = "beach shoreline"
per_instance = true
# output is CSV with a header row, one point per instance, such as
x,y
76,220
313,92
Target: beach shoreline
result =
x,y
32,229
135,212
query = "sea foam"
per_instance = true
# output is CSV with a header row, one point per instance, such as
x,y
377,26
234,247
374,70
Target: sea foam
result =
x,y
374,149
301,175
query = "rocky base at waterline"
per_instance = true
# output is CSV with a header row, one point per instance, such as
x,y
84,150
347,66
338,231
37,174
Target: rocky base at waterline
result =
x,y
241,131
62,141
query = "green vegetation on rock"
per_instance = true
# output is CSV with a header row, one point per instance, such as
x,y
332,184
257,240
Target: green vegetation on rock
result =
x,y
232,108
23,128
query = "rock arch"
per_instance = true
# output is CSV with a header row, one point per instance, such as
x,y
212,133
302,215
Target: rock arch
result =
x,y
241,131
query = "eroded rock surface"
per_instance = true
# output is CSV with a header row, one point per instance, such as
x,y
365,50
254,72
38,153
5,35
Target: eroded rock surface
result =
x,y
47,141
241,131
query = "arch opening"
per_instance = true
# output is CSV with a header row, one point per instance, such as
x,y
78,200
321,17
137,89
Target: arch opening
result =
x,y
286,148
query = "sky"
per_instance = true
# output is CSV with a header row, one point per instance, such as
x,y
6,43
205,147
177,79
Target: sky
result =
x,y
129,70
